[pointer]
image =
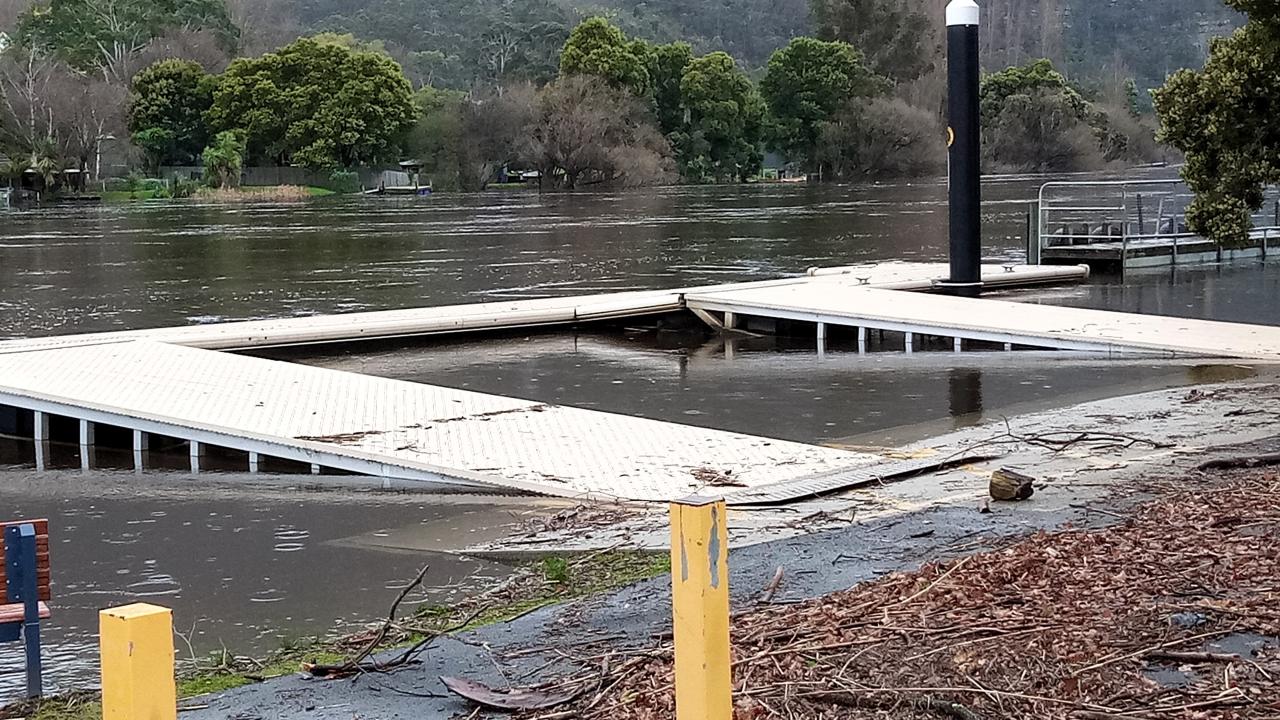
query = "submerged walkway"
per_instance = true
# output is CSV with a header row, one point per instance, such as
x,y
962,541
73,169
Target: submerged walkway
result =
x,y
168,382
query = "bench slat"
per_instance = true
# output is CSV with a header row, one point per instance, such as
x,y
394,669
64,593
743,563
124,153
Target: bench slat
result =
x,y
42,558
15,613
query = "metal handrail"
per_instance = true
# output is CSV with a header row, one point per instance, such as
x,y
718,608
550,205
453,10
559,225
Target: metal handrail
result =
x,y
1045,208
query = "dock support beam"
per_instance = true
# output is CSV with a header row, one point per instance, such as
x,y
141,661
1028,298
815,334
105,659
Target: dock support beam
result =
x,y
87,443
862,341
138,663
141,443
910,343
822,339
255,462
197,454
700,609
41,436
965,149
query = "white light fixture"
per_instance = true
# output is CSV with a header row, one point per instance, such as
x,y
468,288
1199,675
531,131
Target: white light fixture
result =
x,y
962,12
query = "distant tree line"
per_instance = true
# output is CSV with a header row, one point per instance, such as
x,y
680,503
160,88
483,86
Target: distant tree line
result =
x,y
580,104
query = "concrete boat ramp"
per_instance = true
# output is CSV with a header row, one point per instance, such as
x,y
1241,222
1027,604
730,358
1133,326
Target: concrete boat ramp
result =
x,y
171,383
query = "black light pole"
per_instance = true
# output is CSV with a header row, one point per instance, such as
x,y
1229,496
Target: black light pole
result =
x,y
965,148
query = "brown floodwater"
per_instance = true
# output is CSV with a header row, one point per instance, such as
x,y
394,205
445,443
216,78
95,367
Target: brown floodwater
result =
x,y
251,563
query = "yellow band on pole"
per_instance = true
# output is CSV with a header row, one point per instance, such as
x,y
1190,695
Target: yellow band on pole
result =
x,y
700,604
137,663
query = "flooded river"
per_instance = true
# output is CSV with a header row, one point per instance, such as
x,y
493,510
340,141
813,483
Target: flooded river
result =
x,y
249,564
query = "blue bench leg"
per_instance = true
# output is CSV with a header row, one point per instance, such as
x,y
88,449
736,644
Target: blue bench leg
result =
x,y
35,681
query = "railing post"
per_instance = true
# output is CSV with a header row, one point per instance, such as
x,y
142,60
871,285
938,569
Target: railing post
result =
x,y
700,608
1035,234
137,663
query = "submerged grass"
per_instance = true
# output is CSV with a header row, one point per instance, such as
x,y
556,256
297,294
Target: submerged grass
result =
x,y
532,586
273,193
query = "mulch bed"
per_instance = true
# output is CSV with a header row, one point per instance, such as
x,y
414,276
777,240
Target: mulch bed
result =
x,y
1069,624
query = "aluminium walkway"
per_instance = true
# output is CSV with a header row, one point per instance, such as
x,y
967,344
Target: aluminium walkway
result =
x,y
1011,323
517,314
444,438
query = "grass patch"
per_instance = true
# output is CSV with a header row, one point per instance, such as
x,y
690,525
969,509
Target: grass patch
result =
x,y
314,191
206,683
121,197
549,581
75,706
256,193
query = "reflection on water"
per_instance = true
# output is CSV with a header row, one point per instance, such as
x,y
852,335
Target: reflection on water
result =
x,y
770,387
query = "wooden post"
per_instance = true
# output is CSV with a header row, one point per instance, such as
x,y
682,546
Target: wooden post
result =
x,y
137,663
700,605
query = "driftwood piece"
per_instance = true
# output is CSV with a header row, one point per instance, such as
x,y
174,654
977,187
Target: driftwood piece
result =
x,y
516,699
1239,463
1011,485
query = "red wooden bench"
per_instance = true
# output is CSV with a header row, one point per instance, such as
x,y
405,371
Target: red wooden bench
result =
x,y
25,590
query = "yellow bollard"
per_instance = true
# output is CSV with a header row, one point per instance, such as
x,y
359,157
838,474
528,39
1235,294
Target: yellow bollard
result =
x,y
700,604
137,663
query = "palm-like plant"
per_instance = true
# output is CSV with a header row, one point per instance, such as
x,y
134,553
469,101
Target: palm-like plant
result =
x,y
46,162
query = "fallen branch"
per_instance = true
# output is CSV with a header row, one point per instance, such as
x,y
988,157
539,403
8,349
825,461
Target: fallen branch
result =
x,y
359,663
1194,657
772,587
1239,463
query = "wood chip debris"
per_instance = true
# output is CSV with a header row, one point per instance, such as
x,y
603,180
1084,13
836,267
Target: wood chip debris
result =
x,y
1066,625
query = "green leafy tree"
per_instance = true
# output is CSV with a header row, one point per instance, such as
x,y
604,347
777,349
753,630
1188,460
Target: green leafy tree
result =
x,y
316,104
166,111
667,65
896,37
598,48
1034,120
726,117
437,136
806,84
107,35
1037,75
1223,118
224,159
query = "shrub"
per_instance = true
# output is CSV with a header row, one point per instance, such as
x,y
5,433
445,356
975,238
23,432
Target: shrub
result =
x,y
882,138
344,181
1041,131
